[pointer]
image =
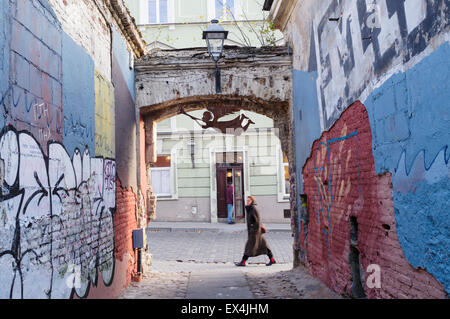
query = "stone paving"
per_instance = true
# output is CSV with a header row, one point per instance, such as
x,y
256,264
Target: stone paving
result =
x,y
214,246
199,264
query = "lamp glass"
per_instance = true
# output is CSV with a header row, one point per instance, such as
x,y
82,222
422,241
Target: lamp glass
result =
x,y
215,44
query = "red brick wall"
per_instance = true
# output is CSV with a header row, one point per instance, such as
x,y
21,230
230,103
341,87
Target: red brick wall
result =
x,y
125,260
340,181
124,224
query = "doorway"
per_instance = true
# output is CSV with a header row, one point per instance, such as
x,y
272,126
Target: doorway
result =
x,y
230,171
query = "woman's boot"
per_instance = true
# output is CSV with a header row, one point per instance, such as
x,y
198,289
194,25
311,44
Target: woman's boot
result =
x,y
271,259
243,261
271,262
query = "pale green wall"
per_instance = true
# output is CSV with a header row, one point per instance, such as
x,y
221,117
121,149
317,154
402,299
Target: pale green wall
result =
x,y
190,35
195,182
191,18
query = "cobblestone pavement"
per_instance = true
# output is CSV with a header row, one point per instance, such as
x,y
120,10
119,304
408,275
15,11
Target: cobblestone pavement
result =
x,y
295,283
210,246
200,264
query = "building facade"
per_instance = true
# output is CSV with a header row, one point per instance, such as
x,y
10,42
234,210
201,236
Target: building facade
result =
x,y
69,188
372,131
195,165
176,24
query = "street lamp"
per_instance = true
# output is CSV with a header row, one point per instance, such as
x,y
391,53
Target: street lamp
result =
x,y
215,36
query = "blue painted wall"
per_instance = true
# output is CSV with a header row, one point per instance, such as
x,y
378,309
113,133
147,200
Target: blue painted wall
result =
x,y
5,38
410,121
306,117
122,54
125,112
47,93
78,96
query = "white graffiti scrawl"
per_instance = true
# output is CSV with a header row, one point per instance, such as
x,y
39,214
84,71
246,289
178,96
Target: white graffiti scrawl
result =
x,y
56,215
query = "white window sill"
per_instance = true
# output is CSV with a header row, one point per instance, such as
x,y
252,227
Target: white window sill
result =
x,y
166,197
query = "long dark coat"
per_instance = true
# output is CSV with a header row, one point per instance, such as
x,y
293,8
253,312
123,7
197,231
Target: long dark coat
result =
x,y
256,243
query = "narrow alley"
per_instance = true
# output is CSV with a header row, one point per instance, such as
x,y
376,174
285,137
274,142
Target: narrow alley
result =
x,y
146,145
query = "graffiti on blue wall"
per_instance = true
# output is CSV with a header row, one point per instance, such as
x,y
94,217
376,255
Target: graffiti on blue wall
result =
x,y
56,202
410,121
421,204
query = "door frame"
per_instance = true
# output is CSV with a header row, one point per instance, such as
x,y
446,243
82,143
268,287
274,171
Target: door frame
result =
x,y
213,180
229,166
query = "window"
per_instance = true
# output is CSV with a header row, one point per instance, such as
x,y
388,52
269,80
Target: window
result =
x,y
161,177
157,11
224,9
286,175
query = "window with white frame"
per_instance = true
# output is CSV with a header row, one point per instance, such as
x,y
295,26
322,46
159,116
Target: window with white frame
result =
x,y
224,9
157,11
286,177
160,174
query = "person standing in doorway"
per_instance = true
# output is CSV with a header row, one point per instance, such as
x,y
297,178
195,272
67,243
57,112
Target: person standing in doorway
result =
x,y
256,243
230,203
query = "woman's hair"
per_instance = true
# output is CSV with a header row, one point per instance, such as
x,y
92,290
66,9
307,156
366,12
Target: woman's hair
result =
x,y
253,199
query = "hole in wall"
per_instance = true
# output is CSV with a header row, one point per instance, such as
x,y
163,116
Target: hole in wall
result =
x,y
353,231
387,228
356,271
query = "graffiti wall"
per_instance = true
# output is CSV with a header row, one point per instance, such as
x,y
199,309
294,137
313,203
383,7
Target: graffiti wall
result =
x,y
351,216
371,39
412,142
376,173
56,213
58,177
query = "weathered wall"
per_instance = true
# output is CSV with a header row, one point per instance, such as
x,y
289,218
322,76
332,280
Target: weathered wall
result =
x,y
247,72
125,146
393,56
58,182
341,183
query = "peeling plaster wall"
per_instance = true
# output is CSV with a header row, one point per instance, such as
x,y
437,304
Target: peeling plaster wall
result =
x,y
125,113
60,235
176,74
393,56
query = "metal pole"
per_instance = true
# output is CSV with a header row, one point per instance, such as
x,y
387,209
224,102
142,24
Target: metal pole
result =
x,y
218,81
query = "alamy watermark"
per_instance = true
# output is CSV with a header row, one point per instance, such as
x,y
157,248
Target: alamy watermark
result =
x,y
374,278
373,21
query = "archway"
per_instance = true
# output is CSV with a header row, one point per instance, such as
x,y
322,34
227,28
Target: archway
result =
x,y
257,80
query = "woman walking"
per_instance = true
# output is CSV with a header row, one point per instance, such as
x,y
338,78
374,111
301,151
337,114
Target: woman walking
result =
x,y
256,243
